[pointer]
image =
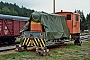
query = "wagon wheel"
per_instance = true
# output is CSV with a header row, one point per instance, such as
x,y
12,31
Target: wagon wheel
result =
x,y
0,42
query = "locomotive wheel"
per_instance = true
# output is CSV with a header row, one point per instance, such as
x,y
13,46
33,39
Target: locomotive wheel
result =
x,y
77,42
11,41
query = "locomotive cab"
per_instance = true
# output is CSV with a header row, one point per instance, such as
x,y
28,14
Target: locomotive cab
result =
x,y
73,23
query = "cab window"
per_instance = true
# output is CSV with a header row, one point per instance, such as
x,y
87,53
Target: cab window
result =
x,y
68,17
76,17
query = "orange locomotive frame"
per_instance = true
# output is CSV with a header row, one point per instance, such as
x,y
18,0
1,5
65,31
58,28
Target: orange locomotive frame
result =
x,y
73,22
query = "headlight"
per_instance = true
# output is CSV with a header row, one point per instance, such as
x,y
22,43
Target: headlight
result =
x,y
41,34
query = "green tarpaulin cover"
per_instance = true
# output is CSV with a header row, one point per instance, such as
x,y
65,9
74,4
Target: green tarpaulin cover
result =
x,y
55,25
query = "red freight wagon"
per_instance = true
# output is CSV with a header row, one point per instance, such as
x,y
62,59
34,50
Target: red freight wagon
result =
x,y
10,27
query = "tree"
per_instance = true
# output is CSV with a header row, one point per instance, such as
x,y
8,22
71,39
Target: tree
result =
x,y
14,9
5,10
88,21
14,12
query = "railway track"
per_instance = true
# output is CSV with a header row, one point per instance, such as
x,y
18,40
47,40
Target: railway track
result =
x,y
13,46
7,47
85,37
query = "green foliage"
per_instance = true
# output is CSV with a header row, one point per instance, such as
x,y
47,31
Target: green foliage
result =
x,y
13,9
88,20
5,10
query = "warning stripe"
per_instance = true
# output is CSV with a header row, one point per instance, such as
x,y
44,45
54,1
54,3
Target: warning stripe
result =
x,y
39,43
28,44
27,41
33,43
24,41
43,43
36,42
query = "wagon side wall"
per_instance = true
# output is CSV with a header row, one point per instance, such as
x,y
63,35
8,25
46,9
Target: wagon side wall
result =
x,y
11,27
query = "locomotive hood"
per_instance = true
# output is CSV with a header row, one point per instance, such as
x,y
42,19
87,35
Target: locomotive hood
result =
x,y
55,25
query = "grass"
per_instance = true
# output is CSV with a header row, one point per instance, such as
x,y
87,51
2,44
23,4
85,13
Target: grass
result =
x,y
17,39
66,52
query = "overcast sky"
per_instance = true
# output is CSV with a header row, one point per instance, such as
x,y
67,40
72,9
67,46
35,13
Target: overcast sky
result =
x,y
47,5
